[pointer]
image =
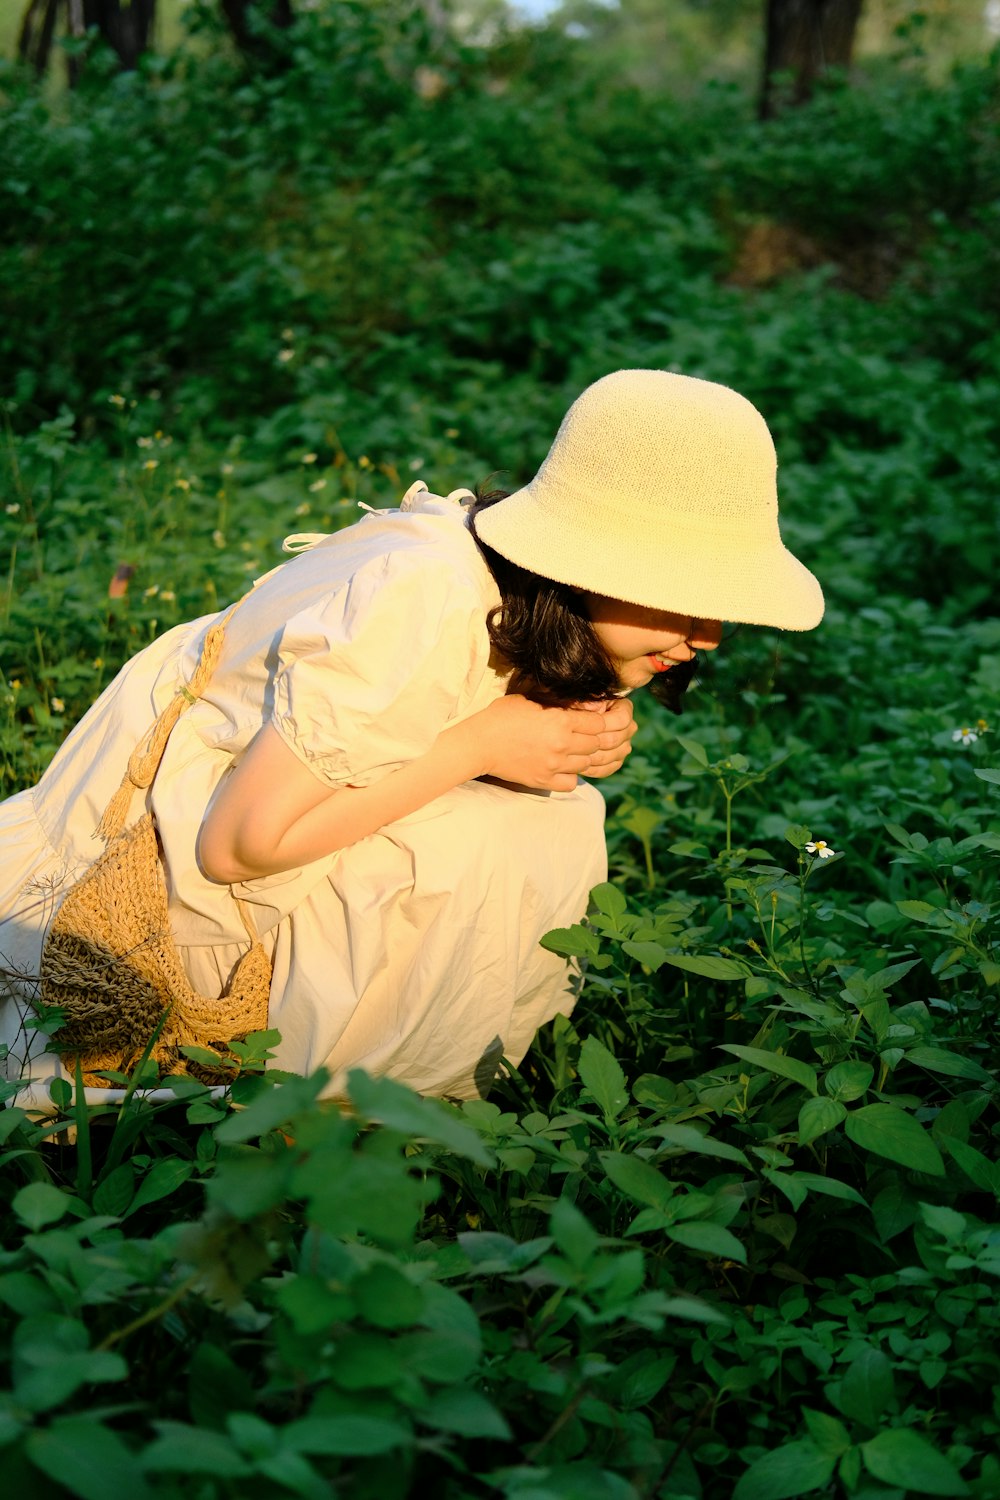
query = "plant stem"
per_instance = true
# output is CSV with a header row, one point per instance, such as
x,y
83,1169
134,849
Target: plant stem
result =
x,y
159,1310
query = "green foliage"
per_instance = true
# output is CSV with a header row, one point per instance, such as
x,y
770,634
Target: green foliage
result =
x,y
731,1229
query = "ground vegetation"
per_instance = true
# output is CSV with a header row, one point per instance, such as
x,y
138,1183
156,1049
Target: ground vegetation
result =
x,y
731,1229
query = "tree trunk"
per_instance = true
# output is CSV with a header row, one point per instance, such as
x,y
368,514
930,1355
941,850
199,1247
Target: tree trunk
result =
x,y
804,38
252,40
34,42
127,29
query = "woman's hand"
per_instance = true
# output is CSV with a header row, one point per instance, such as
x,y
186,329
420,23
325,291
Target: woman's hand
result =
x,y
615,739
548,748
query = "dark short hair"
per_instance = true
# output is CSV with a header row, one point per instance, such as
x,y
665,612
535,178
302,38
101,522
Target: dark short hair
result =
x,y
543,629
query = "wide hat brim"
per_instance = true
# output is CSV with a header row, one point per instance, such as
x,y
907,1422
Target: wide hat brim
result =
x,y
737,574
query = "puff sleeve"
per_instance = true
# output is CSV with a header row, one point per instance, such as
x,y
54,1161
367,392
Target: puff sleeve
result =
x,y
368,677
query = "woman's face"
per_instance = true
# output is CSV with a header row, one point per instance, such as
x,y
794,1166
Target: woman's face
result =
x,y
643,642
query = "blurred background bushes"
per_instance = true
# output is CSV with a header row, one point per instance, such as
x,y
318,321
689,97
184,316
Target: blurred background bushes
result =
x,y
402,237
403,197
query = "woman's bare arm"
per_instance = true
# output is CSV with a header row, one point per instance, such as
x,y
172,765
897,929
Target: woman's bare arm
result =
x,y
273,814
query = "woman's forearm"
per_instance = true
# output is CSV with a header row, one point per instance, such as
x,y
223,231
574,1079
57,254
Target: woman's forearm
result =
x,y
275,816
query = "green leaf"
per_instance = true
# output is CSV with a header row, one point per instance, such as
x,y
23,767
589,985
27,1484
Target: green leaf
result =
x,y
708,965
894,1209
642,821
572,942
10,1428
354,1436
208,1058
90,1460
162,1179
816,1117
947,1222
181,1449
216,1386
365,1361
694,1310
572,1233
849,1474
977,1167
637,1179
48,1377
271,1108
866,1388
61,1092
797,1469
989,773
847,1081
250,1184
951,1064
39,1204
603,1078
711,1239
982,841
641,1377
695,749
796,1194
892,1133
651,955
387,1298
777,1062
609,899
360,1193
466,1412
885,978
113,1193
11,1119
919,911
901,1456
798,835
26,1294
830,1436
831,1187
435,1356
311,1304
394,1105
690,1139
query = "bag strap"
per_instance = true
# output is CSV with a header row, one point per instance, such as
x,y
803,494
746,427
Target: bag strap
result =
x,y
144,762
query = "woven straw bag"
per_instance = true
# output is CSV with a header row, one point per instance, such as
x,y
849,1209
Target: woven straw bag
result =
x,y
109,961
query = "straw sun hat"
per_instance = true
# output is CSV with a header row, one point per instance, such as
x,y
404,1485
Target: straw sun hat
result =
x,y
660,490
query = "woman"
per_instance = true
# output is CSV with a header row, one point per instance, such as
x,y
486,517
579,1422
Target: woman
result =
x,y
384,763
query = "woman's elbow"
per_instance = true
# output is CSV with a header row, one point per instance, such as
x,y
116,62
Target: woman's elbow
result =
x,y
223,859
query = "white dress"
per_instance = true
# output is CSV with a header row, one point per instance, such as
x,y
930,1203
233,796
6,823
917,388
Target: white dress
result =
x,y
413,953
